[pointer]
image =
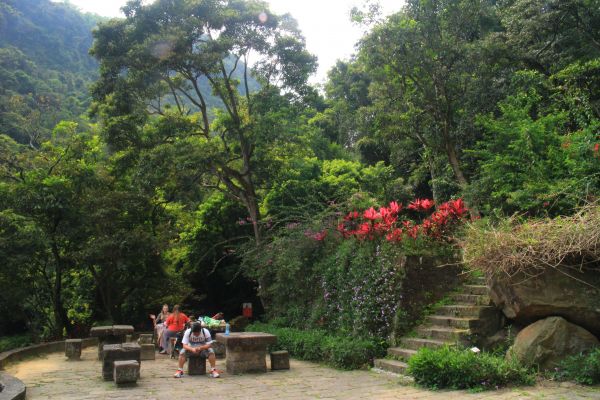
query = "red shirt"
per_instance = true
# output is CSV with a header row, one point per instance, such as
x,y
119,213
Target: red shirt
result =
x,y
176,323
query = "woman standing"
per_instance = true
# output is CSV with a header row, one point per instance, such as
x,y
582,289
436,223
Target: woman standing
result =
x,y
174,324
159,323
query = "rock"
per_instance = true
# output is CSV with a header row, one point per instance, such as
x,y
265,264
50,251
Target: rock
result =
x,y
73,349
547,342
127,371
280,360
552,293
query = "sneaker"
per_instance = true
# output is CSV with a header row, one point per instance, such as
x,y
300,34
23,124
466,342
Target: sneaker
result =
x,y
178,374
162,352
214,374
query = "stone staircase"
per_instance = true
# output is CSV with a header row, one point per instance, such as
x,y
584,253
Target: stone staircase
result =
x,y
447,325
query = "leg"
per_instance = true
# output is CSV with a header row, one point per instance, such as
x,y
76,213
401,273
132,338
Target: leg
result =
x,y
182,360
212,360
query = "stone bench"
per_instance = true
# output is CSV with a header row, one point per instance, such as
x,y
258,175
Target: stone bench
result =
x,y
280,360
126,371
110,334
196,364
73,349
145,338
118,352
147,352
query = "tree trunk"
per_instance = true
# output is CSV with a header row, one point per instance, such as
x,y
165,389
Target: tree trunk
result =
x,y
60,314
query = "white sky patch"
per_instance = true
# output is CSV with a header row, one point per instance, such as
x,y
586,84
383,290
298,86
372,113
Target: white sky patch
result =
x,y
330,34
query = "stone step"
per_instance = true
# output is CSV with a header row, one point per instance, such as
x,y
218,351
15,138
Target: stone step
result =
x,y
417,343
460,310
444,320
395,366
475,289
474,299
401,353
442,333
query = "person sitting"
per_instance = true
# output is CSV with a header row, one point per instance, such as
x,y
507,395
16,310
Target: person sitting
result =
x,y
174,324
159,323
197,340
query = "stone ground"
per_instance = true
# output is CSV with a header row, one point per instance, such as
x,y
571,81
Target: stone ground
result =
x,y
52,377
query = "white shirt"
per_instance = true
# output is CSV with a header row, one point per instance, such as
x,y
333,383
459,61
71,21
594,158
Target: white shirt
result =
x,y
201,339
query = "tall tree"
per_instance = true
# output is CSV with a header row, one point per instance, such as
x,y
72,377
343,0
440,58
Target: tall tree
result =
x,y
432,73
155,61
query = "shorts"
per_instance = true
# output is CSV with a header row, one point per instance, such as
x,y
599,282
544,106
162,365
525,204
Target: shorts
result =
x,y
203,353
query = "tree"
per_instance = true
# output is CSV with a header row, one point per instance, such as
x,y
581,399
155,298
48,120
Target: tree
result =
x,y
432,72
154,63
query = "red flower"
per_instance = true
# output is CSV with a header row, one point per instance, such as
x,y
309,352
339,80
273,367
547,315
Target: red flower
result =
x,y
320,236
395,208
394,236
363,229
421,205
371,214
596,147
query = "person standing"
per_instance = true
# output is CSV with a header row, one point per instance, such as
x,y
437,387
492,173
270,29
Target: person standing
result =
x,y
159,323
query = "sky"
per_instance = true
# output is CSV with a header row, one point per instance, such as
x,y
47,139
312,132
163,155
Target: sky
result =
x,y
330,34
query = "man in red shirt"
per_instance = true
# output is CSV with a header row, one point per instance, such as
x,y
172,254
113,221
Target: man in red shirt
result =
x,y
174,324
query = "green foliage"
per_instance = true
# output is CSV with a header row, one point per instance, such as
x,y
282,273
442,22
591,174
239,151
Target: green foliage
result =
x,y
453,368
581,368
558,149
320,346
44,67
14,342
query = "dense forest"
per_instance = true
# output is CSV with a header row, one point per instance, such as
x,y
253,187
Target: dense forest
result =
x,y
179,155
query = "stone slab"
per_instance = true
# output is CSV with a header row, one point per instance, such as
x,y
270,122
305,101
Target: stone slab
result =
x,y
119,330
100,331
127,371
246,339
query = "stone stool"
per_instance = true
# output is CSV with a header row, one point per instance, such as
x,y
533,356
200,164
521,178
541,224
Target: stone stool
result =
x,y
118,352
127,371
145,338
196,364
280,360
73,349
147,352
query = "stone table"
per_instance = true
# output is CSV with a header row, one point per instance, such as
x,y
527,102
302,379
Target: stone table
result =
x,y
110,334
246,351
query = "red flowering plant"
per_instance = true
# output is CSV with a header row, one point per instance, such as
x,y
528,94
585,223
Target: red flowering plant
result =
x,y
421,220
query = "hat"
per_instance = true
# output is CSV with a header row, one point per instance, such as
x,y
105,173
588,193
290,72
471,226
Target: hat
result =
x,y
196,327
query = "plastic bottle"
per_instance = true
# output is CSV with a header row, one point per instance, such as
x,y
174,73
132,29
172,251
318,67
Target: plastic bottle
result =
x,y
227,329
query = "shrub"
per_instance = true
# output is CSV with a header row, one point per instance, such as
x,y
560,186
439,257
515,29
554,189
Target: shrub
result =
x,y
317,345
453,368
582,368
13,342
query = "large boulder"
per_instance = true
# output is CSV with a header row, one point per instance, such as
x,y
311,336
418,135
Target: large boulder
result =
x,y
527,299
547,342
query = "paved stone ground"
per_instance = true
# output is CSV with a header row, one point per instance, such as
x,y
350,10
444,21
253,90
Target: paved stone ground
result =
x,y
52,377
